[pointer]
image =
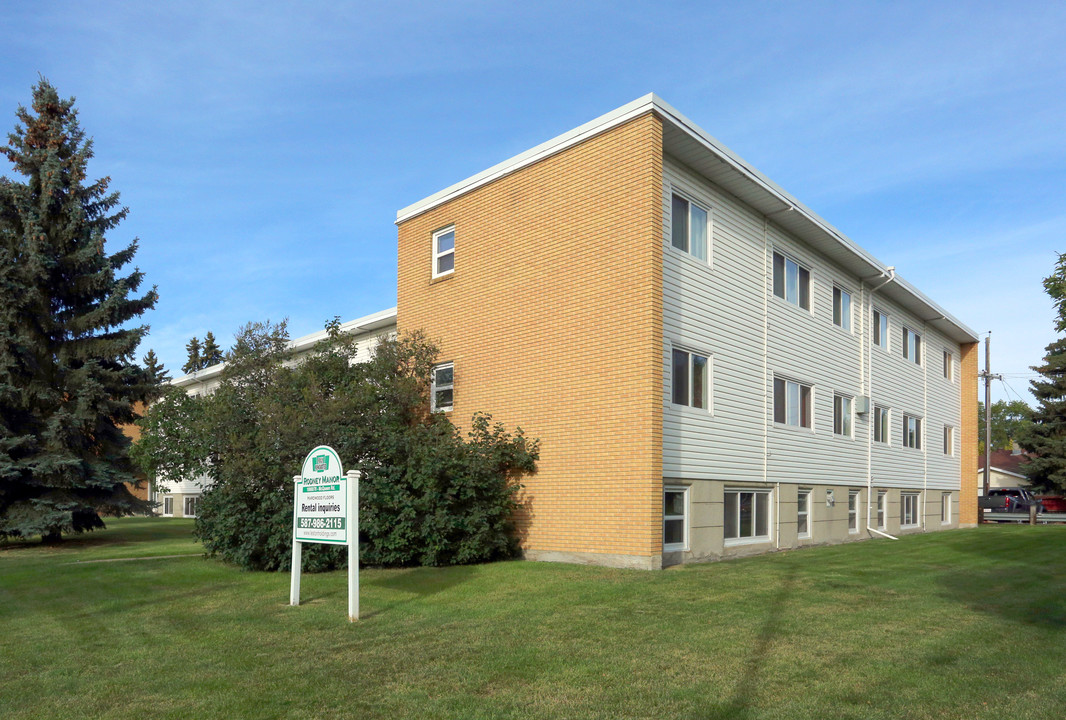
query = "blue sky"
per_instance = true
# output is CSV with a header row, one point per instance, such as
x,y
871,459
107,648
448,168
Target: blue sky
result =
x,y
264,148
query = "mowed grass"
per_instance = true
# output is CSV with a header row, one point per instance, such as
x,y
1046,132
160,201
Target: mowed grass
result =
x,y
962,624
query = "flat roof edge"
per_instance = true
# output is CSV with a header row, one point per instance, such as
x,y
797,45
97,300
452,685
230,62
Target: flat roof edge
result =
x,y
367,322
551,147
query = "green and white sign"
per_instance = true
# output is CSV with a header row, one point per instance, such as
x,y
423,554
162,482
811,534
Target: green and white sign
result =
x,y
326,510
321,513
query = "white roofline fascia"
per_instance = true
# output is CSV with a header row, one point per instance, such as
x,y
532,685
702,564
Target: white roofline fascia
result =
x,y
367,322
653,103
590,129
1001,471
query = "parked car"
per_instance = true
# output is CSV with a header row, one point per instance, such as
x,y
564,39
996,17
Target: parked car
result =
x,y
1016,499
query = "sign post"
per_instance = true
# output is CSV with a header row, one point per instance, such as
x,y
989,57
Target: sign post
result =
x,y
326,510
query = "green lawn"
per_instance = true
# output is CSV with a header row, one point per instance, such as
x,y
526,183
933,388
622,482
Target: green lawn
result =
x,y
964,624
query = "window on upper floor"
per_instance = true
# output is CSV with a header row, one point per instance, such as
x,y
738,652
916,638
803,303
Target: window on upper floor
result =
x,y
880,327
912,432
442,389
949,440
792,403
792,281
912,346
689,227
949,365
881,424
842,308
444,251
842,415
690,379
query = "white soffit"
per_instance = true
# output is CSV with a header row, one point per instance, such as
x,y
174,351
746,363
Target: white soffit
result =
x,y
691,145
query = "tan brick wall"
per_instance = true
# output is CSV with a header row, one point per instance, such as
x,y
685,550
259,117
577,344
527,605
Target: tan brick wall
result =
x,y
968,388
553,318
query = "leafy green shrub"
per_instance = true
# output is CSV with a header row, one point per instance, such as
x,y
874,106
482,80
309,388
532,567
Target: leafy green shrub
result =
x,y
427,496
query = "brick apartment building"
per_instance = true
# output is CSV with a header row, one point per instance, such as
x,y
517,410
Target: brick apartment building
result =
x,y
711,368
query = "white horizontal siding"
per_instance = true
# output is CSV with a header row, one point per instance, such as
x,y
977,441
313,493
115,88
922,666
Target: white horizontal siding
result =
x,y
718,308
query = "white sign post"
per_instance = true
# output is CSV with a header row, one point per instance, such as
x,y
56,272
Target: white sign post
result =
x,y
326,510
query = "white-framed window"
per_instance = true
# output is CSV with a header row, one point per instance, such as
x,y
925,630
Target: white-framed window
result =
x,y
842,415
803,513
192,503
912,346
949,440
881,424
912,432
690,379
442,389
949,366
853,511
168,505
842,308
690,227
881,499
945,508
747,515
444,251
792,281
675,517
908,509
880,326
792,403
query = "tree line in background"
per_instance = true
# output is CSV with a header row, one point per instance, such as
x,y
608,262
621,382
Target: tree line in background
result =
x,y
428,495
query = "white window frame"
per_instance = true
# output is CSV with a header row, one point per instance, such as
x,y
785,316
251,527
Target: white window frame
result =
x,y
751,539
917,430
949,365
706,258
841,314
788,384
786,260
168,506
434,387
803,494
882,508
438,254
690,389
949,440
908,516
843,415
881,334
912,345
682,546
853,512
945,508
194,500
882,427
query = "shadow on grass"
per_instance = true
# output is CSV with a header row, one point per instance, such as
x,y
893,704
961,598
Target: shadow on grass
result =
x,y
119,532
1019,576
420,583
739,706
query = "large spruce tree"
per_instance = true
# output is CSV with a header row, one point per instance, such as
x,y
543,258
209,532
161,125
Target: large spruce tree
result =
x,y
1045,437
68,375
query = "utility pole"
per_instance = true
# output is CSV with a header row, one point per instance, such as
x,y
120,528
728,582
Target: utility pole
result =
x,y
988,377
